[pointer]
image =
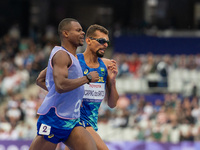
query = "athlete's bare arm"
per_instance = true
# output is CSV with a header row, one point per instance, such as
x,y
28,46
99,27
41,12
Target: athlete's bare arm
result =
x,y
61,62
40,81
111,92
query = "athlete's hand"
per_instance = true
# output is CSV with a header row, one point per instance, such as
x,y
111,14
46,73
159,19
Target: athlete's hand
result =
x,y
112,69
95,76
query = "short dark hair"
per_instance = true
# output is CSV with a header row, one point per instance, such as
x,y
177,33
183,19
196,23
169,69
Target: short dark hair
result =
x,y
65,24
91,30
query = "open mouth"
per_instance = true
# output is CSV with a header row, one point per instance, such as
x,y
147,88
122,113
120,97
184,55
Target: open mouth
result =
x,y
101,50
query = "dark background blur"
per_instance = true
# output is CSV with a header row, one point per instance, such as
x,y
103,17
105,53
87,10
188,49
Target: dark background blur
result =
x,y
157,18
133,14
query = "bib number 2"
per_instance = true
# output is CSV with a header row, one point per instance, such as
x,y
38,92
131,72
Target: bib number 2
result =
x,y
44,129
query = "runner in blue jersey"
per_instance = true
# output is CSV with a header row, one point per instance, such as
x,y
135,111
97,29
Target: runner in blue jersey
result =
x,y
91,60
60,110
105,88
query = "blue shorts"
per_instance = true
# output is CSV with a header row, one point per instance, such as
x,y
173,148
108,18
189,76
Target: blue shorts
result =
x,y
52,134
83,124
55,129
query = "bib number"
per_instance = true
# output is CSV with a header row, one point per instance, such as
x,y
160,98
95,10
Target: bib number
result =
x,y
44,129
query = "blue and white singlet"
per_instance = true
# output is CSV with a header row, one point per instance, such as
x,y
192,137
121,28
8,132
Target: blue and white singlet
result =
x,y
94,92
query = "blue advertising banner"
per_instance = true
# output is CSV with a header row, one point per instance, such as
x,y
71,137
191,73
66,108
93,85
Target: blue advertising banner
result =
x,y
156,45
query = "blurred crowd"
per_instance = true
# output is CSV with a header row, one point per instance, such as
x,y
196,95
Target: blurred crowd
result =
x,y
172,119
21,59
139,65
160,73
18,117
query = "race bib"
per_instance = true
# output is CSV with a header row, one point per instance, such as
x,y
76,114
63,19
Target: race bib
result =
x,y
44,129
94,91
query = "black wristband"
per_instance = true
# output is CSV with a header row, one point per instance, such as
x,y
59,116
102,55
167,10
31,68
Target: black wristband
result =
x,y
89,77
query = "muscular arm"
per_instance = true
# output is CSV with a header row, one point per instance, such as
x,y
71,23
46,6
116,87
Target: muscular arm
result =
x,y
40,81
61,62
111,92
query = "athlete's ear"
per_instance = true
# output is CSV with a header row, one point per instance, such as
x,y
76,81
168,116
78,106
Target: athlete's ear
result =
x,y
88,41
65,33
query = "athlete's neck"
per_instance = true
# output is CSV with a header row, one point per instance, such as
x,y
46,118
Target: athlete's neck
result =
x,y
91,59
91,56
70,48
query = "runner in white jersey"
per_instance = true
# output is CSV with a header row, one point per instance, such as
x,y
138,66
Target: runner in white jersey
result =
x,y
97,41
60,110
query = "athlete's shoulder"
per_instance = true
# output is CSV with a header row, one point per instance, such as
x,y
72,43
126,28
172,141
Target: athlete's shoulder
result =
x,y
106,61
56,48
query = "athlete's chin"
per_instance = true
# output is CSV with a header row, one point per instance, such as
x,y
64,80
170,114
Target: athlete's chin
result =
x,y
100,55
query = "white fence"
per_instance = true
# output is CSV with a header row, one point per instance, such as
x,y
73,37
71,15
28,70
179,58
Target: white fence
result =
x,y
179,81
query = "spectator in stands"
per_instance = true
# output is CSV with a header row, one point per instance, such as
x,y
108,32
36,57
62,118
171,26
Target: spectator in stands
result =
x,y
123,68
163,70
149,71
158,105
134,64
148,109
133,106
